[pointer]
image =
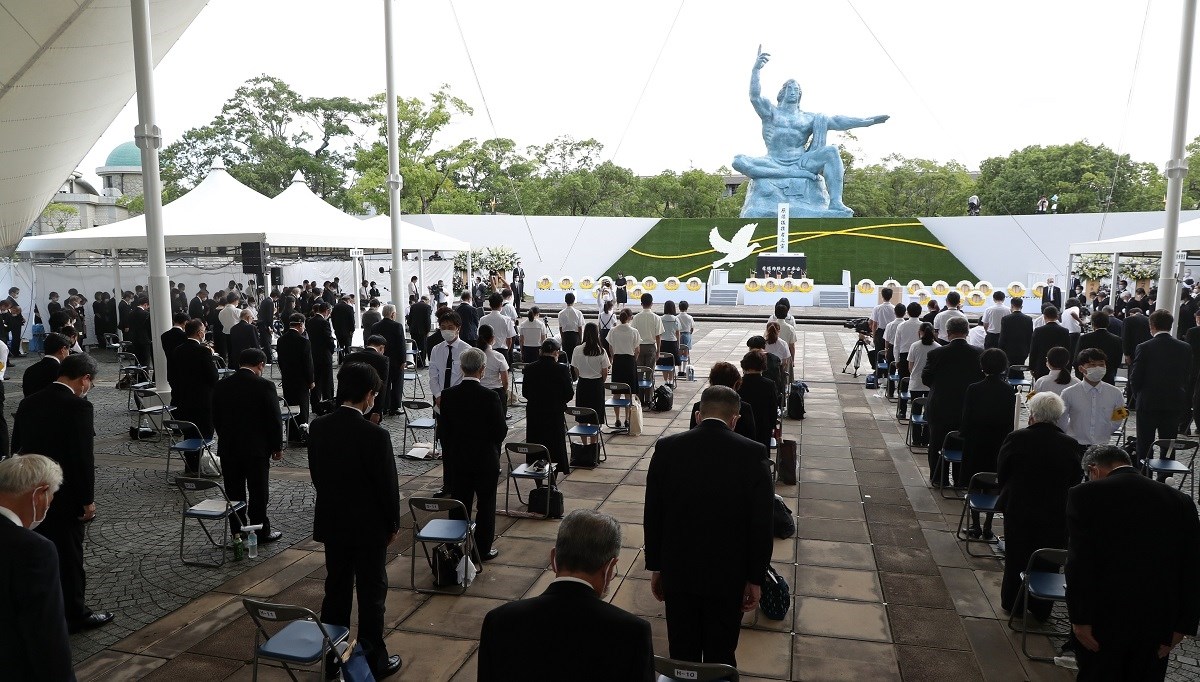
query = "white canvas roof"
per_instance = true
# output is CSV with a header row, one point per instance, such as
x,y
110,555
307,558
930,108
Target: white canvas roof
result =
x,y
1149,242
221,211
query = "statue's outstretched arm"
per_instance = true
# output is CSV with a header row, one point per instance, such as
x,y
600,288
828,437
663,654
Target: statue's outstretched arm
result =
x,y
761,104
848,122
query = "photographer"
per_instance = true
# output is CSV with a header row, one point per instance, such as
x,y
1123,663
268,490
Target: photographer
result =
x,y
438,292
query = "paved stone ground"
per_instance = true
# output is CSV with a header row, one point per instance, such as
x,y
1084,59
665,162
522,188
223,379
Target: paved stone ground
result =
x,y
882,589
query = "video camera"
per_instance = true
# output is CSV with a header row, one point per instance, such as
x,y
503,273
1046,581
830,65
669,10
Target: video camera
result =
x,y
862,325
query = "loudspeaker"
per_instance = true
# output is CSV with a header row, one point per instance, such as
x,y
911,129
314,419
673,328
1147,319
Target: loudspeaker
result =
x,y
254,258
277,277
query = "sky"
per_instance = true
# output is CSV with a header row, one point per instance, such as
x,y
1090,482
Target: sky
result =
x,y
962,80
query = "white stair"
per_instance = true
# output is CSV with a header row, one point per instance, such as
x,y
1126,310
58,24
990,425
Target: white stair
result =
x,y
719,295
833,299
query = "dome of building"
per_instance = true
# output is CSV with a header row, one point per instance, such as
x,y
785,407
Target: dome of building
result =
x,y
125,155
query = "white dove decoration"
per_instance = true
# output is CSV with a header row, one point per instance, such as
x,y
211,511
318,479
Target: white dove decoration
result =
x,y
735,250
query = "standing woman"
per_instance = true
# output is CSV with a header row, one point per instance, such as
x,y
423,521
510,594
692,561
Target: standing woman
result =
x,y
622,291
591,365
777,347
624,341
987,420
532,332
495,369
604,296
1060,378
670,336
99,319
607,319
917,353
81,325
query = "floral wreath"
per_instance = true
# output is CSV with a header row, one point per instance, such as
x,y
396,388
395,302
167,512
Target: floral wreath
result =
x,y
566,284
752,285
865,286
671,284
545,283
941,288
976,298
965,286
923,296
1038,289
694,284
892,284
789,285
771,286
1016,289
914,286
985,287
650,284
587,283
805,285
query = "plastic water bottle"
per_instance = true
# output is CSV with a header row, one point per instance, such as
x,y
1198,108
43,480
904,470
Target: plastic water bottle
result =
x,y
251,541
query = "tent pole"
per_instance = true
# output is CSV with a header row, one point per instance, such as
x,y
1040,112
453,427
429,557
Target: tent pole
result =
x,y
467,282
395,181
117,291
1177,165
421,275
1116,277
149,139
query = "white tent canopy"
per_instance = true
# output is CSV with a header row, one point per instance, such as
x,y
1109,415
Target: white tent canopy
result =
x,y
1149,242
222,212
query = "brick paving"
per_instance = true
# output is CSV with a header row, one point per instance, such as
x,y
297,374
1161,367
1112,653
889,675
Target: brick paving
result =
x,y
882,590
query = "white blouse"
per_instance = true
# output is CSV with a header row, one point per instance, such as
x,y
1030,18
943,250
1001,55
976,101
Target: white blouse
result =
x,y
533,332
492,369
590,366
624,340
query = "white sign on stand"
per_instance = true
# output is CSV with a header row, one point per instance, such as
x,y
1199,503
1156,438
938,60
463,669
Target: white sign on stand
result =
x,y
781,239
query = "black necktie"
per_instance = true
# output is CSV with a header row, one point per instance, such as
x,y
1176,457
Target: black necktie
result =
x,y
449,365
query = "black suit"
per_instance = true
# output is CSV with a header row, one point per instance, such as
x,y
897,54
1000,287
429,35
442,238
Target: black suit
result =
x,y
763,397
380,362
342,318
320,338
33,632
1110,344
60,425
1045,337
553,619
357,510
141,336
192,373
1037,466
197,308
1158,381
1052,295
170,340
470,322
266,320
987,418
949,370
547,387
1016,336
396,351
295,370
418,318
40,376
245,412
1135,332
472,428
1152,554
745,424
242,335
124,308
707,553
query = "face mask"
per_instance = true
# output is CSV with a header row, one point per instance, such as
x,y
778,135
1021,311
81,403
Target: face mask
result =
x,y
36,521
448,335
1095,374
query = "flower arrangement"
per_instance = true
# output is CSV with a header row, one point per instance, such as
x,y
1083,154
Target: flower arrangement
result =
x,y
1016,289
788,286
635,293
752,285
1093,266
892,284
671,283
866,286
941,288
985,287
923,296
1038,288
587,284
964,287
694,284
914,286
545,283
566,284
771,286
649,284
1140,268
805,285
976,298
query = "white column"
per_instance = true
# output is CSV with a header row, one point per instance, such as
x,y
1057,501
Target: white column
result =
x,y
149,139
395,182
1168,286
1116,278
117,291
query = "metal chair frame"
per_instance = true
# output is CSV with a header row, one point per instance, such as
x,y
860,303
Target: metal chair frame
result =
x,y
427,533
143,413
1048,586
585,430
518,366
946,457
917,419
185,443
209,509
645,387
616,389
414,424
274,613
671,670
1168,464
523,471
979,500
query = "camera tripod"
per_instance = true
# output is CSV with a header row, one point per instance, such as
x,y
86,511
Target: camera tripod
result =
x,y
856,354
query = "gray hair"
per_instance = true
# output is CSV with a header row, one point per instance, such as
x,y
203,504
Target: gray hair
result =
x,y
388,310
471,361
1046,408
1105,455
246,314
721,402
587,540
23,473
957,325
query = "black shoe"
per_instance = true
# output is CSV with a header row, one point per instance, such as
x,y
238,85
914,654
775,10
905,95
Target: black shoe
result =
x,y
974,533
390,668
441,493
92,621
617,424
273,536
491,554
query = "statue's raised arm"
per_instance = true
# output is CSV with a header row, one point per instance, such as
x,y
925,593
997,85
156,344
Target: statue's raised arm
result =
x,y
848,122
761,104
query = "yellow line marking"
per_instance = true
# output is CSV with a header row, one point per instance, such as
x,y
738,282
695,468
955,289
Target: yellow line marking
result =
x,y
848,230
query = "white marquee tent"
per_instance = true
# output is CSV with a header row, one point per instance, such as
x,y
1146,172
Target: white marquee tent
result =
x,y
1149,243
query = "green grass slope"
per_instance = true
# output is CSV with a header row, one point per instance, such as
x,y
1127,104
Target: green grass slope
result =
x,y
875,248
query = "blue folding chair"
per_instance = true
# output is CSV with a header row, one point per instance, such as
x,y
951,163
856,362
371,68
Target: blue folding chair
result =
x,y
670,670
185,437
305,640
585,432
449,531
532,452
204,510
617,402
981,498
1039,584
946,457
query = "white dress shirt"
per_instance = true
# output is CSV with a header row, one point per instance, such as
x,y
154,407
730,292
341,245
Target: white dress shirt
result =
x,y
624,340
229,316
502,326
437,365
496,364
570,320
992,317
882,314
1088,416
648,324
943,318
889,332
907,334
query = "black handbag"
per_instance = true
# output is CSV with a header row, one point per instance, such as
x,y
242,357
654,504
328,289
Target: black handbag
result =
x,y
776,596
537,502
585,455
782,521
445,564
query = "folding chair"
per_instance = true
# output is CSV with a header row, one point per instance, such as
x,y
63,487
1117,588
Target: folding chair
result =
x,y
946,457
115,344
980,498
917,424
305,640
670,670
518,367
1169,464
685,361
222,369
902,398
1022,384
645,377
531,451
1039,584
133,374
412,423
619,389
184,437
205,509
285,419
585,431
450,531
665,363
149,409
893,380
409,375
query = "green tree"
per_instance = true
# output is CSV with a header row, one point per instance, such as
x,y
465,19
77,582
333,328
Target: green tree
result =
x,y
1191,182
265,133
901,186
1081,174
58,217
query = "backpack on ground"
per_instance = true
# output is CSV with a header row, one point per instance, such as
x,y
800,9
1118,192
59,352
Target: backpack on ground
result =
x,y
445,564
783,523
795,400
776,596
664,398
787,459
538,498
585,455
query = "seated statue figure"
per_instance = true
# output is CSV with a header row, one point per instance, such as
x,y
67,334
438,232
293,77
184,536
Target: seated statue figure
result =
x,y
800,167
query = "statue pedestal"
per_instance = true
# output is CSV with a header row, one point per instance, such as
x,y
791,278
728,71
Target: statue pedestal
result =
x,y
805,198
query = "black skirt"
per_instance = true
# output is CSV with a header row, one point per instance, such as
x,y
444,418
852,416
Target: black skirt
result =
x,y
624,371
590,393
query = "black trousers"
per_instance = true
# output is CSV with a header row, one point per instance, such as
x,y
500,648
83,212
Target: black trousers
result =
x,y
4,437
471,487
144,353
395,385
343,342
65,530
253,476
348,566
1165,423
1020,542
323,378
991,340
569,341
14,339
704,628
1122,657
264,340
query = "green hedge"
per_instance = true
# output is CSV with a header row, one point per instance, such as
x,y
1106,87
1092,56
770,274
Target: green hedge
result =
x,y
896,247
